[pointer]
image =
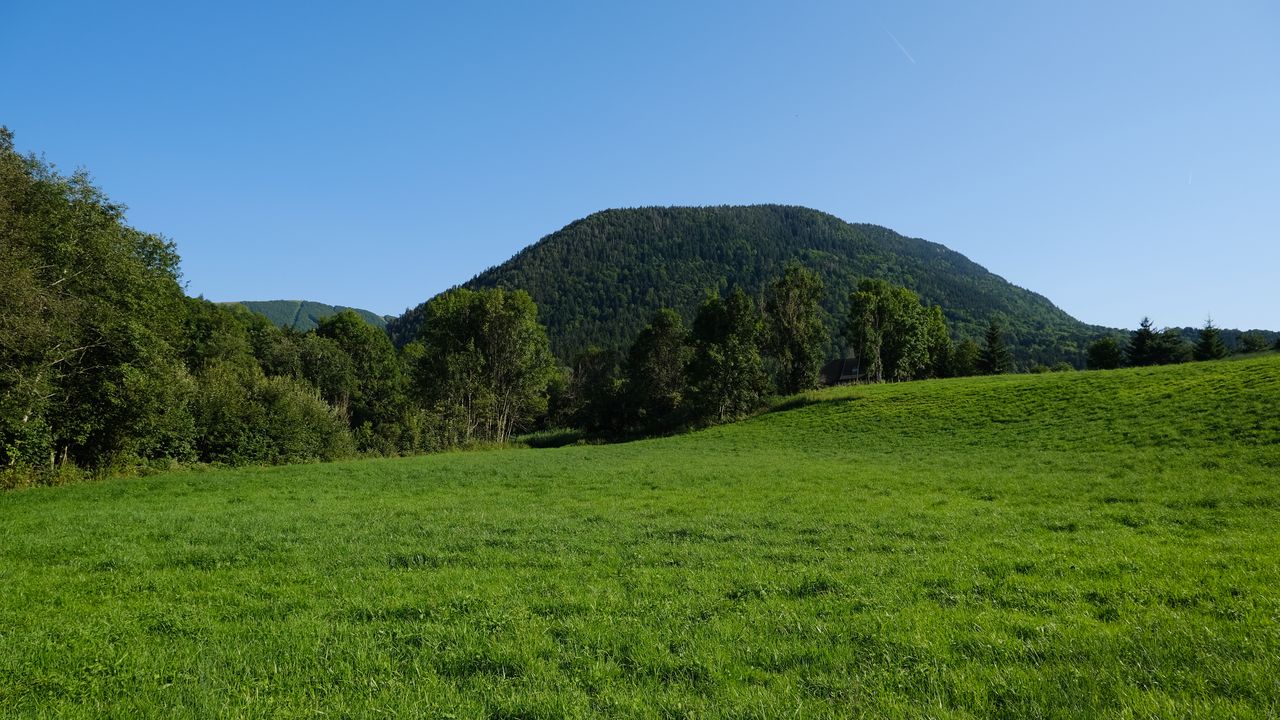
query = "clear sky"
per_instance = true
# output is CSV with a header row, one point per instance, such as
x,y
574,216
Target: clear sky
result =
x,y
1121,158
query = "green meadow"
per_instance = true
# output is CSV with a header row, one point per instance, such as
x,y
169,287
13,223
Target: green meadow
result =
x,y
1092,544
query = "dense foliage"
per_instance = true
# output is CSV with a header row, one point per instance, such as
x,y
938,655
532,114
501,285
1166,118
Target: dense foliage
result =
x,y
1104,354
90,326
1237,341
795,337
105,364
1148,346
893,336
727,377
600,279
657,369
483,364
1210,346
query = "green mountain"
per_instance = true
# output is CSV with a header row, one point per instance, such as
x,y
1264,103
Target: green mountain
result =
x,y
598,280
304,315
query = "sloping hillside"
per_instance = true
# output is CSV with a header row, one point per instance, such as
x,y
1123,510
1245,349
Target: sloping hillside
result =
x,y
1075,544
1216,406
303,315
598,280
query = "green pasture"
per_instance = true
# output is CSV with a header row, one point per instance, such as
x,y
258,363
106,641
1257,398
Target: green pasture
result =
x,y
1063,545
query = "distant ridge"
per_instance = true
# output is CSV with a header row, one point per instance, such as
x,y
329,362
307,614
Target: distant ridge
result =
x,y
599,279
304,315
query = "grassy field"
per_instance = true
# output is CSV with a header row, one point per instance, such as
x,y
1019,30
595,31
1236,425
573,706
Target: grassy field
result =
x,y
1063,545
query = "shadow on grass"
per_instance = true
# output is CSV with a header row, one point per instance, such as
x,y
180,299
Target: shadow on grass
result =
x,y
551,438
569,436
809,399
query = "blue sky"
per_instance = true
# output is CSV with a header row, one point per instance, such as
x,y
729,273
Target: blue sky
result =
x,y
1122,159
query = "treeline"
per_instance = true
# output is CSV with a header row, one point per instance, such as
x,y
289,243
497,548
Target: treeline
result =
x,y
106,365
739,353
1148,346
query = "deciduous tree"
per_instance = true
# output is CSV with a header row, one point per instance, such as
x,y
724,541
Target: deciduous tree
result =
x,y
657,371
1252,342
1104,354
796,335
485,364
894,336
727,373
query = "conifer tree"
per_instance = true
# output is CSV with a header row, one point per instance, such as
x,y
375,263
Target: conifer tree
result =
x,y
1210,346
995,358
1141,349
1170,347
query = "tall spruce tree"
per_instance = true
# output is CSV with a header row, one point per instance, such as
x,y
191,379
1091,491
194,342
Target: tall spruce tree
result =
x,y
1210,345
1142,345
995,358
1170,347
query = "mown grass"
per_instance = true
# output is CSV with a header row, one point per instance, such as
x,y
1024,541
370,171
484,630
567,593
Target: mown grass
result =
x,y
1063,545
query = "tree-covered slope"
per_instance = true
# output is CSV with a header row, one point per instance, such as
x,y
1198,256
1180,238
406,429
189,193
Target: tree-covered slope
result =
x,y
304,315
598,280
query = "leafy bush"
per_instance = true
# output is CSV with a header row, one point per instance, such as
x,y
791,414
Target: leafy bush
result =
x,y
245,417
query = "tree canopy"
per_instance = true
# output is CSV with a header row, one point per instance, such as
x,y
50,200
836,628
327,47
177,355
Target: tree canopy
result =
x,y
727,374
893,336
796,337
485,364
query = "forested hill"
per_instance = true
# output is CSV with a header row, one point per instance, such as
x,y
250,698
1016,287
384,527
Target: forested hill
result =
x,y
598,280
304,315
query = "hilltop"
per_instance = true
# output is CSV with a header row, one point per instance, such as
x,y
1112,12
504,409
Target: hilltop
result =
x,y
303,315
598,280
